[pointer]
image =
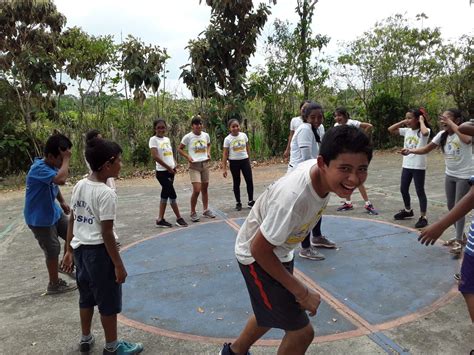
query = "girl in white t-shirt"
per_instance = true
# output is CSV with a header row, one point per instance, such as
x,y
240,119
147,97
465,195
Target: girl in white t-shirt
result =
x,y
294,124
165,165
342,117
237,151
457,151
416,135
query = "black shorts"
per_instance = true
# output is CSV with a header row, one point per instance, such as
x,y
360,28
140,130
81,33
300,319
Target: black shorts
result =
x,y
273,305
95,276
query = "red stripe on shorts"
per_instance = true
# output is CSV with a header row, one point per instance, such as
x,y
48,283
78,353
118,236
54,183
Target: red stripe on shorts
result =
x,y
260,287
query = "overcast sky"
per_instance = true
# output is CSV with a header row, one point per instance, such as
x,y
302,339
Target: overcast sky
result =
x,y
172,23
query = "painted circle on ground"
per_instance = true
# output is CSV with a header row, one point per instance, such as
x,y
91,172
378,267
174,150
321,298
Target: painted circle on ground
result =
x,y
185,283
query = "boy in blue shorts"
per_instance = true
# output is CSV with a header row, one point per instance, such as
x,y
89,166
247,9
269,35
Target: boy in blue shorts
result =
x,y
280,219
91,241
429,235
44,217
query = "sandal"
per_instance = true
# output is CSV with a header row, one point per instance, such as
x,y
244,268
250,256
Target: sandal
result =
x,y
449,242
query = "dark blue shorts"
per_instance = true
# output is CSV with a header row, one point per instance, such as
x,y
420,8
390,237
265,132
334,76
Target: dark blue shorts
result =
x,y
466,284
273,305
95,276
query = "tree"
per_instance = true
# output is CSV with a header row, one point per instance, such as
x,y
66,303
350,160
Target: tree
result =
x,y
29,32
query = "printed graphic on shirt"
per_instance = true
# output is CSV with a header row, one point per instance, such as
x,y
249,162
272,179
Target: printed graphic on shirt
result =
x,y
166,148
199,146
303,230
238,145
412,142
452,150
83,213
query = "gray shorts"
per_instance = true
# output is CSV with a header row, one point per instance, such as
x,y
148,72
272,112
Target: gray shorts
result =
x,y
47,237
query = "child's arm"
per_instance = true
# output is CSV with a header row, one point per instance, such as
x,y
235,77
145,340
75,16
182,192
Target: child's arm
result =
x,y
107,229
209,151
423,150
466,139
225,155
156,157
367,127
183,153
287,150
63,172
68,260
393,129
429,235
423,129
247,147
467,128
65,207
263,253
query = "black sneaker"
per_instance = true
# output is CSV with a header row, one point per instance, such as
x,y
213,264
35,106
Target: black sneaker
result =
x,y
403,214
85,346
226,350
251,203
163,224
180,222
60,287
422,223
238,206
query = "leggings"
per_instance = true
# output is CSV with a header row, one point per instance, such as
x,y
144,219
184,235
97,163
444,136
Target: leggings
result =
x,y
455,190
235,167
306,243
166,179
419,176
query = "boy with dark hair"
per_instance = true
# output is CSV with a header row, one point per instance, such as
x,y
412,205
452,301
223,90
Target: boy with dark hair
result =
x,y
280,219
43,216
91,239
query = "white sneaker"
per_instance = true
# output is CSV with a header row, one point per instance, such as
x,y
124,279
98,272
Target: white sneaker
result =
x,y
208,214
194,217
311,253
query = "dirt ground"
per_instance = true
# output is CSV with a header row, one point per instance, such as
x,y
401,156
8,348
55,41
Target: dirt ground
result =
x,y
36,324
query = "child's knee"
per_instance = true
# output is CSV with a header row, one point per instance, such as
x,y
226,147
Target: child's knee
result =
x,y
306,334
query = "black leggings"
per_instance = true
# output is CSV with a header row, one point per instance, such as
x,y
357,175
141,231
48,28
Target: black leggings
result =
x,y
166,179
306,243
419,176
235,167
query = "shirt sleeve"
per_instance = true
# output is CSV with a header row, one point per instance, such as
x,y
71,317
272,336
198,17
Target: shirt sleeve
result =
x,y
43,173
226,142
277,225
305,138
185,140
152,143
355,123
208,138
107,205
246,139
402,131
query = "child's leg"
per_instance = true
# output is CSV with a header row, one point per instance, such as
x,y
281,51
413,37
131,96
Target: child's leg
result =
x,y
247,173
53,266
251,333
469,298
405,182
297,341
419,178
234,166
86,315
462,188
195,195
109,323
363,193
161,214
205,195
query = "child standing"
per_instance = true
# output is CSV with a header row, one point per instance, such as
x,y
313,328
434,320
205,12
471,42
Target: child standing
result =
x,y
281,218
294,124
416,135
198,145
457,151
91,241
43,216
237,151
94,133
342,117
162,153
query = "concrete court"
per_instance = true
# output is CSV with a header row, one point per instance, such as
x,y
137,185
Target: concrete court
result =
x,y
35,324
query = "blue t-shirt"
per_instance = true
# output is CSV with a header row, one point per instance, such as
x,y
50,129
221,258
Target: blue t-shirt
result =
x,y
41,209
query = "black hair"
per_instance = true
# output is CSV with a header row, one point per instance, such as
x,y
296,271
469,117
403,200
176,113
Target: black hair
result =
x,y
344,139
457,115
304,102
196,120
342,111
57,143
310,107
158,120
231,121
93,133
100,151
417,113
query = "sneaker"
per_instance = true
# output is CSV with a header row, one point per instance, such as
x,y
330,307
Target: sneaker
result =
x,y
194,217
457,277
180,222
163,224
345,207
85,346
251,203
371,209
449,242
456,249
422,223
208,214
311,253
60,287
322,242
403,214
238,206
125,348
227,351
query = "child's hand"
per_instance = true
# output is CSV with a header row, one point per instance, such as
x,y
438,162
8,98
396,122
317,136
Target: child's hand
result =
x,y
430,235
224,173
120,274
405,151
65,207
310,302
65,153
190,160
67,264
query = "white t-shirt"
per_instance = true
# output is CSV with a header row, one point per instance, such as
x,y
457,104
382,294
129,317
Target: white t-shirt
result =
x,y
165,151
295,123
285,213
303,137
237,146
414,139
350,122
91,203
197,145
457,156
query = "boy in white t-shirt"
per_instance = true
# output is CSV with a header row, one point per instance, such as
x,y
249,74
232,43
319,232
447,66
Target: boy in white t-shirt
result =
x,y
280,219
198,146
91,241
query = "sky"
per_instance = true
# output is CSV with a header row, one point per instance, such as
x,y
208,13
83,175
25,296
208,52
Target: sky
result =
x,y
172,23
